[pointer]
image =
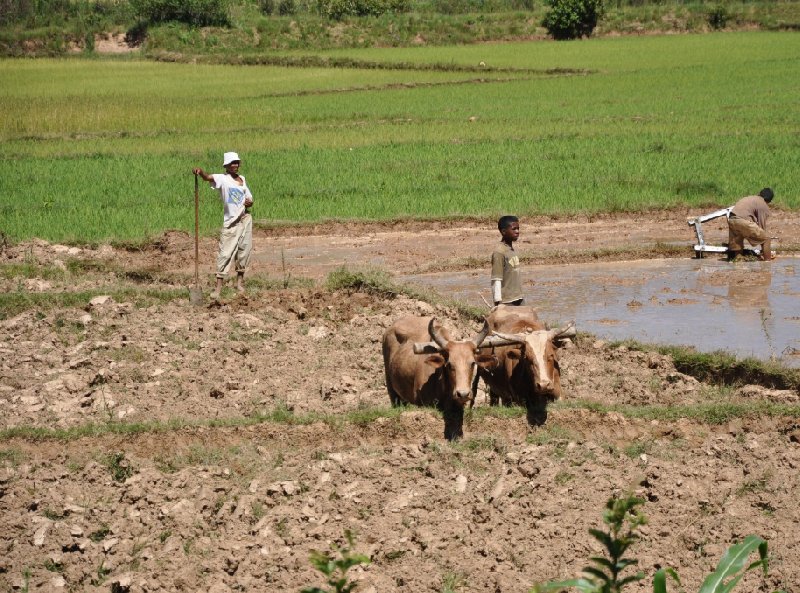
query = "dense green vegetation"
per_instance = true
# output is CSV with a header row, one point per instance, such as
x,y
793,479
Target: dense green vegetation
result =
x,y
95,149
55,27
572,19
465,23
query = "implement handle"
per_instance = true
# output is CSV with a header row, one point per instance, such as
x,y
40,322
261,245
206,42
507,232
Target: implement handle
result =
x,y
196,230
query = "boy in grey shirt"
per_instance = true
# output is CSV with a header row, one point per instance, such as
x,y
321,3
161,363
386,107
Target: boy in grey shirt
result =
x,y
506,284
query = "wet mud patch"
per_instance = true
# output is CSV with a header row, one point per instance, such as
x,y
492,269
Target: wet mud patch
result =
x,y
706,304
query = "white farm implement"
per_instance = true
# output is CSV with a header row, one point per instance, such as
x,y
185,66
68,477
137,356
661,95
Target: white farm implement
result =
x,y
701,247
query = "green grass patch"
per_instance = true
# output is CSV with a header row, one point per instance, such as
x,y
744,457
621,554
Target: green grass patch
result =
x,y
154,427
711,413
472,444
498,412
197,455
366,416
264,283
549,434
717,413
638,448
724,368
118,466
278,415
100,534
380,283
14,303
376,282
546,255
77,267
17,271
12,456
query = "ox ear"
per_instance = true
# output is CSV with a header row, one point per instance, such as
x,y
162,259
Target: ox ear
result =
x,y
487,361
436,361
560,343
562,334
514,354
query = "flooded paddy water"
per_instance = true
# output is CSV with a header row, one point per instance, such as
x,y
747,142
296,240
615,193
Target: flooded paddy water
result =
x,y
746,308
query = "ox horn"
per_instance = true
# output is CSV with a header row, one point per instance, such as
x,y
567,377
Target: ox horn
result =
x,y
498,339
568,331
481,335
509,337
435,335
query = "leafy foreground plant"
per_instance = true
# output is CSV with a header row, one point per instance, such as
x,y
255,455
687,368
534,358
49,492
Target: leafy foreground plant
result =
x,y
335,569
624,519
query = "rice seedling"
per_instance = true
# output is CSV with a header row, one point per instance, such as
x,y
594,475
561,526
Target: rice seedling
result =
x,y
334,566
651,123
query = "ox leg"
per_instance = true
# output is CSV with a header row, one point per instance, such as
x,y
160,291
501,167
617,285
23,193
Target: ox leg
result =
x,y
395,400
453,421
494,399
474,390
393,397
536,408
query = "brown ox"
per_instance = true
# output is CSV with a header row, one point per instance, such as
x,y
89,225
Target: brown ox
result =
x,y
432,373
527,372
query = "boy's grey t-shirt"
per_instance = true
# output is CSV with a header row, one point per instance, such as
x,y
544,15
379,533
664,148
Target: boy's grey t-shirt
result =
x,y
505,267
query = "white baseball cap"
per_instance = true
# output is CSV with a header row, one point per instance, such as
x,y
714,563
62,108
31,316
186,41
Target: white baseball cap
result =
x,y
229,158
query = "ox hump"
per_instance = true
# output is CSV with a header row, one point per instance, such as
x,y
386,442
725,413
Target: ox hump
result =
x,y
514,319
524,326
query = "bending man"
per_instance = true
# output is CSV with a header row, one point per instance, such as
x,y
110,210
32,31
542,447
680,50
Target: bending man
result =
x,y
748,220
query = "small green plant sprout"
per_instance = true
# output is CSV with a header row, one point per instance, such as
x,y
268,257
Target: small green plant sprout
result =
x,y
119,467
623,520
335,569
730,570
287,275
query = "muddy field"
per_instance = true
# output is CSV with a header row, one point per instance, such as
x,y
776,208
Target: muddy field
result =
x,y
213,448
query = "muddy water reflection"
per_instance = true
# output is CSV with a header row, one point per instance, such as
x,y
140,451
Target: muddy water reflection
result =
x,y
748,308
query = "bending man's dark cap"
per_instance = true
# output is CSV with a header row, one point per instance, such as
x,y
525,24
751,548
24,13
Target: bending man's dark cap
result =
x,y
767,194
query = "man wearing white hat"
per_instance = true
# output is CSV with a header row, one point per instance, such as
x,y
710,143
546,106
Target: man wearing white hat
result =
x,y
236,237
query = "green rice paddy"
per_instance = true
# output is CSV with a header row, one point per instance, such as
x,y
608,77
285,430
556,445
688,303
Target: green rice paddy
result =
x,y
96,150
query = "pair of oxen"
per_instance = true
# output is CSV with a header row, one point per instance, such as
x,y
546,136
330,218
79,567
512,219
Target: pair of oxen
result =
x,y
515,354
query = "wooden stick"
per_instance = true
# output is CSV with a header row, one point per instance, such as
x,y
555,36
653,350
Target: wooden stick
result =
x,y
196,230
